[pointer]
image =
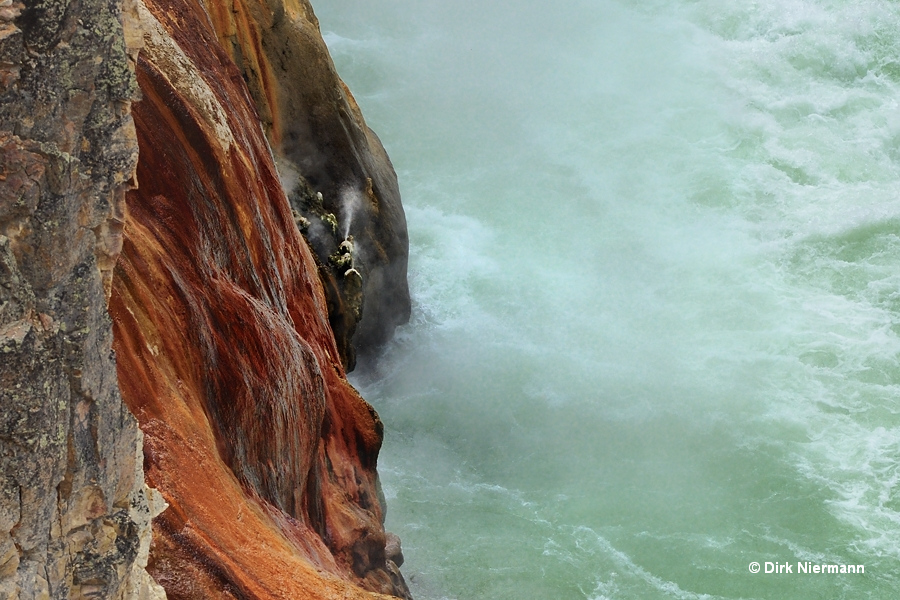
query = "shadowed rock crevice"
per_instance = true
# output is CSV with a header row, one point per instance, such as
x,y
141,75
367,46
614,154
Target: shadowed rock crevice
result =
x,y
334,169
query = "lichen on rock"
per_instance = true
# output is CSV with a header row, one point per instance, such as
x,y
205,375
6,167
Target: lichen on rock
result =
x,y
74,510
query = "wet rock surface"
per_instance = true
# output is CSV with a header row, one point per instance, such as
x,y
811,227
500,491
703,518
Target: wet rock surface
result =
x,y
334,168
225,342
264,452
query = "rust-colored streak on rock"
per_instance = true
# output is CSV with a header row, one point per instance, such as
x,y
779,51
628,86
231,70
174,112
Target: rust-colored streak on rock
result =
x,y
264,452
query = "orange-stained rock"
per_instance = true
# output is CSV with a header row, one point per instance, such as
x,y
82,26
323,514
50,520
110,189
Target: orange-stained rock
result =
x,y
264,452
324,146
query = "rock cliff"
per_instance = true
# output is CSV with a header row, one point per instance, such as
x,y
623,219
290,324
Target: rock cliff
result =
x,y
338,177
228,349
74,510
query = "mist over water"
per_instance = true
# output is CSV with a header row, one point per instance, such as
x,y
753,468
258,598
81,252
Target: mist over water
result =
x,y
655,265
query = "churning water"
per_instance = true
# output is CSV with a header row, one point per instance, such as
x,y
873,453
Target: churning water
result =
x,y
656,280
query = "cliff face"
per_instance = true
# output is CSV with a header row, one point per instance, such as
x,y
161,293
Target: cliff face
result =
x,y
227,349
74,511
339,178
263,451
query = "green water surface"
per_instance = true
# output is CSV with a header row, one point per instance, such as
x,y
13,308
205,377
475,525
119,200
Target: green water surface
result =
x,y
655,266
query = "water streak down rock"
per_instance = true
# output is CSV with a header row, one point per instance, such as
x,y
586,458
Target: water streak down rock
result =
x,y
264,452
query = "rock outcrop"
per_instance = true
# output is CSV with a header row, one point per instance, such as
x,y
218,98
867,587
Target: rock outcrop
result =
x,y
228,350
74,510
264,452
338,177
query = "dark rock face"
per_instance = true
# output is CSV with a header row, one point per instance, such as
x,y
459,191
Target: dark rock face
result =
x,y
74,511
336,173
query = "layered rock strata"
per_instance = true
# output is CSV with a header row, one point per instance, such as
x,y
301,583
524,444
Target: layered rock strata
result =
x,y
264,452
74,510
338,177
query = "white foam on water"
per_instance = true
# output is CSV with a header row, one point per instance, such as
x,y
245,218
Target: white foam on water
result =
x,y
654,263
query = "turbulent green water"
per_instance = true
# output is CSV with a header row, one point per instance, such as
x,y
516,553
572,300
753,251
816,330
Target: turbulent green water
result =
x,y
656,279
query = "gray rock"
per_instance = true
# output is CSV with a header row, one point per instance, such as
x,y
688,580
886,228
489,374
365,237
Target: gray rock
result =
x,y
74,510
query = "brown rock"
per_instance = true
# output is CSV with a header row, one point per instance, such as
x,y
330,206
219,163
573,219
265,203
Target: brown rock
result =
x,y
263,451
74,511
392,549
